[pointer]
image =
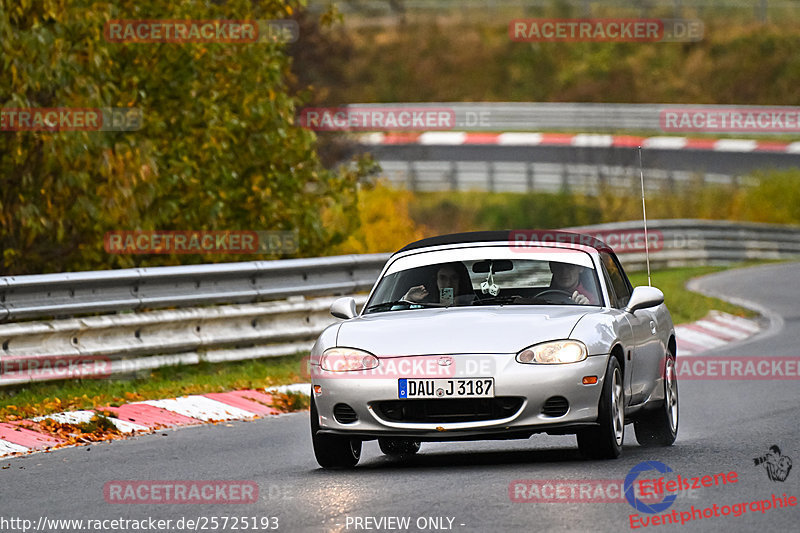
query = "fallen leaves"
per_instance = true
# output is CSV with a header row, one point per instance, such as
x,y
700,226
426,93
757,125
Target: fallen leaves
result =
x,y
99,428
289,402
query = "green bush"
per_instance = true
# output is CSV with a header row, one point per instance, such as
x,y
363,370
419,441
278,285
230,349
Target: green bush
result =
x,y
774,198
445,59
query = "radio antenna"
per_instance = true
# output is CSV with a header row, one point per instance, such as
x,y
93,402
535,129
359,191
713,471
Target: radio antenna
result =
x,y
644,215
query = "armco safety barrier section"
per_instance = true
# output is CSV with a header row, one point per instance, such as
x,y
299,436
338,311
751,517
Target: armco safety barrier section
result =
x,y
248,310
385,13
569,116
179,286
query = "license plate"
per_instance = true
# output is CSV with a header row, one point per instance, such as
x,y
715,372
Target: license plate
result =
x,y
445,388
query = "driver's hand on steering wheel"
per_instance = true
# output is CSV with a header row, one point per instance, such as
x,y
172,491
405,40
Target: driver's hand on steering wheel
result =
x,y
579,298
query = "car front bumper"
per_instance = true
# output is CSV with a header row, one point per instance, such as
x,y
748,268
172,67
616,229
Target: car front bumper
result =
x,y
531,386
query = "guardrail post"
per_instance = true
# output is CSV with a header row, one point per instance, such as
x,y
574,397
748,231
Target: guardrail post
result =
x,y
452,176
412,176
762,11
529,180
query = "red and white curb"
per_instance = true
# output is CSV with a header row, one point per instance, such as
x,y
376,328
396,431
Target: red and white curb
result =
x,y
19,437
715,330
588,140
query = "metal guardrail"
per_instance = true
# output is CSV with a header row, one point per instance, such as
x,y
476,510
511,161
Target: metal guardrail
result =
x,y
556,116
179,286
761,10
113,345
529,176
132,342
692,242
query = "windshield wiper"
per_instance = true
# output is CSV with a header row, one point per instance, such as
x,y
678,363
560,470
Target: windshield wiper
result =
x,y
385,306
494,300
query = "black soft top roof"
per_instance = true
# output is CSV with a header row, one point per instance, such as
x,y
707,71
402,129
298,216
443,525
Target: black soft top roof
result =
x,y
519,237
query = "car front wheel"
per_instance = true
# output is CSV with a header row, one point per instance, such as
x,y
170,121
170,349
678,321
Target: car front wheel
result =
x,y
661,427
333,451
605,442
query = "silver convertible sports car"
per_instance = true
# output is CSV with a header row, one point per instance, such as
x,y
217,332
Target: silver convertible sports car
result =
x,y
496,335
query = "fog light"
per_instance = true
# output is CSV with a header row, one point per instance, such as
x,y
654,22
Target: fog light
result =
x,y
589,380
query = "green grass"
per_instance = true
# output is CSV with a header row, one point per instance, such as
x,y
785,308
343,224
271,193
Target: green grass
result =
x,y
168,382
684,305
43,398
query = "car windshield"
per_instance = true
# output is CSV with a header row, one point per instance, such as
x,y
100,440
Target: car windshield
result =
x,y
486,276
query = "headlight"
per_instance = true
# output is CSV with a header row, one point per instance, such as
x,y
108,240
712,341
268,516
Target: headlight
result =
x,y
554,352
347,360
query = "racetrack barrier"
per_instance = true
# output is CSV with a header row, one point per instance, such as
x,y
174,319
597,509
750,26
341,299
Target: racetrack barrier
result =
x,y
152,317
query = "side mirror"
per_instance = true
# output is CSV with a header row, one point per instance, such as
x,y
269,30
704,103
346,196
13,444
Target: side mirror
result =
x,y
344,307
644,297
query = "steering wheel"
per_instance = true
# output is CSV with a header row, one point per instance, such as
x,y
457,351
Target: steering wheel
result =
x,y
565,296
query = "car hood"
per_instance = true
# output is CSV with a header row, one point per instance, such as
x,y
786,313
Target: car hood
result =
x,y
506,329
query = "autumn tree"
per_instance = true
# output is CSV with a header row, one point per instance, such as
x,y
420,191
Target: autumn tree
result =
x,y
219,147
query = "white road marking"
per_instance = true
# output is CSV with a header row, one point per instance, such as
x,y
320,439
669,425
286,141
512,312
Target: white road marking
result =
x,y
443,137
700,339
665,143
520,139
590,139
716,326
201,408
298,388
371,138
737,321
7,448
735,145
80,417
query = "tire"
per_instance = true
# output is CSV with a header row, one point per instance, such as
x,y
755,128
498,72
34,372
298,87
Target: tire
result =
x,y
605,442
661,427
398,447
333,451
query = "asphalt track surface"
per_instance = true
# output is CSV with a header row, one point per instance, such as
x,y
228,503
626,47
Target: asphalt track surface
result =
x,y
723,426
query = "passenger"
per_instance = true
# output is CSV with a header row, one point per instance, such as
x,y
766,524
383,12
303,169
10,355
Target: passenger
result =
x,y
567,278
453,284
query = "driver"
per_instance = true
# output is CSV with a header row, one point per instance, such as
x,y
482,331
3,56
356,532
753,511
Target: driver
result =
x,y
567,278
453,283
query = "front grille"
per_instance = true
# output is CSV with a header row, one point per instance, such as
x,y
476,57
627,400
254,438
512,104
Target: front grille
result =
x,y
344,414
555,406
450,410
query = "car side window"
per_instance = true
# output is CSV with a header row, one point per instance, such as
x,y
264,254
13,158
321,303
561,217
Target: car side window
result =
x,y
620,285
612,297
